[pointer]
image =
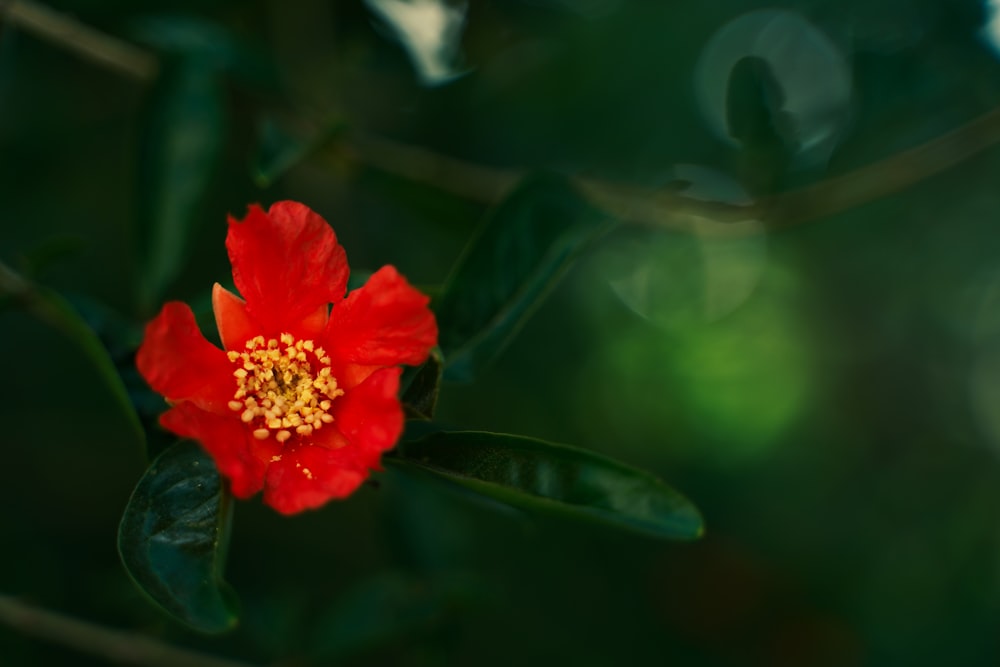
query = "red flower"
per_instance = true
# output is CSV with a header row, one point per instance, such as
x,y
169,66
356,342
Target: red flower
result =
x,y
303,401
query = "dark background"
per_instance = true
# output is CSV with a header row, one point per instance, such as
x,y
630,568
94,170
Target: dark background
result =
x,y
826,390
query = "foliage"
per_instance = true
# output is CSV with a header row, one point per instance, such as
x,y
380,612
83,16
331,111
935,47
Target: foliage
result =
x,y
742,248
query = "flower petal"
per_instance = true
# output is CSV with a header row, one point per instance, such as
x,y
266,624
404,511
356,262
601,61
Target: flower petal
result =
x,y
287,263
179,363
232,318
384,323
237,454
370,417
308,476
236,326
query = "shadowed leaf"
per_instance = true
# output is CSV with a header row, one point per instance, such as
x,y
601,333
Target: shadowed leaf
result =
x,y
523,248
182,140
542,476
421,385
173,538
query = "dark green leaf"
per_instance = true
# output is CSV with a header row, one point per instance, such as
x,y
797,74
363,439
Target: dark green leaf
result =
x,y
182,141
54,310
421,385
537,475
755,116
523,248
173,538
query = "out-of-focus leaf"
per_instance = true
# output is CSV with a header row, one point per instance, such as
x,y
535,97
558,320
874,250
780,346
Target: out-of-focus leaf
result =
x,y
431,33
173,538
211,43
182,138
388,609
756,119
120,335
421,385
677,281
279,149
542,476
522,249
54,310
776,83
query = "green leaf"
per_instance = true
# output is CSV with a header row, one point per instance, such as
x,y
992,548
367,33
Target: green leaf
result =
x,y
173,538
523,248
537,475
54,310
182,140
421,386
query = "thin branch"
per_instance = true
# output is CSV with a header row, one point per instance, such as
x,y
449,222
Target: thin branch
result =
x,y
67,32
490,185
114,645
888,176
675,211
637,205
458,177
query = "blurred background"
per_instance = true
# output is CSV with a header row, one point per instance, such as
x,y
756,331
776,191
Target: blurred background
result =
x,y
796,321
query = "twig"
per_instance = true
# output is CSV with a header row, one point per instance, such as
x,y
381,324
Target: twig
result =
x,y
54,310
643,206
675,211
114,645
888,176
490,185
65,31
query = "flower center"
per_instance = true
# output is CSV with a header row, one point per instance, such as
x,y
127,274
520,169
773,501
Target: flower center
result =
x,y
278,389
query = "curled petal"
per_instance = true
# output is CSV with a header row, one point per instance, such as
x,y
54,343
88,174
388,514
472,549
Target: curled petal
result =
x,y
236,326
384,323
307,476
231,316
238,456
179,363
371,417
287,263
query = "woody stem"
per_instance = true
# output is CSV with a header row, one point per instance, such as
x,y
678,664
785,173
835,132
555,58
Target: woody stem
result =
x,y
114,645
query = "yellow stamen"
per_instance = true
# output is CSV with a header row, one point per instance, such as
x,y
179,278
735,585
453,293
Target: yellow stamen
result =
x,y
284,387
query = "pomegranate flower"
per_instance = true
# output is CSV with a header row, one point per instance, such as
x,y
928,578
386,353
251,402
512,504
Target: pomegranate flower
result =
x,y
303,400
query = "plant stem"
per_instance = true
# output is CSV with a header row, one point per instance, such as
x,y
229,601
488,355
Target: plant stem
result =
x,y
54,310
65,31
114,645
637,205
